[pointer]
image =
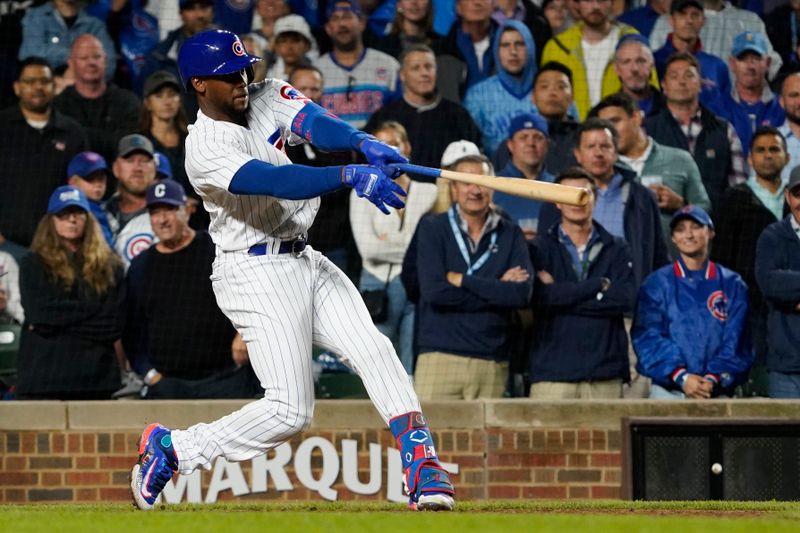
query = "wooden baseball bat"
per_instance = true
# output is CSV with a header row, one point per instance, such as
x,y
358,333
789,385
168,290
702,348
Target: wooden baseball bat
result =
x,y
532,189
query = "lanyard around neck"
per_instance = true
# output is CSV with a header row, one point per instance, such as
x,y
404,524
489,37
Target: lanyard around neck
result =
x,y
462,246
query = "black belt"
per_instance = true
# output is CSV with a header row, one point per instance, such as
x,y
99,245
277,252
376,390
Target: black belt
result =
x,y
295,247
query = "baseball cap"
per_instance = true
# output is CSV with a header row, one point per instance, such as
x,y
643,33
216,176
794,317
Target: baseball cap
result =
x,y
633,38
679,5
163,166
86,163
134,143
749,41
338,5
457,150
166,191
691,212
159,79
794,178
184,4
65,196
525,121
293,24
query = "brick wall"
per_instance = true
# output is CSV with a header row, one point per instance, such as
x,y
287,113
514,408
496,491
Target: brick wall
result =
x,y
493,463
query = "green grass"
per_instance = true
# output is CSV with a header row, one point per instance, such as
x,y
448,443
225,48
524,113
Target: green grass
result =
x,y
355,517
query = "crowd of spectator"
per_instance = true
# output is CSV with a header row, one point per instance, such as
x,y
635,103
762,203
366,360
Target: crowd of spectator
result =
x,y
679,279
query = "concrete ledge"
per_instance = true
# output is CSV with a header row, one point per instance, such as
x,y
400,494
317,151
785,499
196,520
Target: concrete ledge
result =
x,y
33,415
361,414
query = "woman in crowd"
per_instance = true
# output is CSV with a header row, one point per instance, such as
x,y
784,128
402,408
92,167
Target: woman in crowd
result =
x,y
71,286
382,241
412,24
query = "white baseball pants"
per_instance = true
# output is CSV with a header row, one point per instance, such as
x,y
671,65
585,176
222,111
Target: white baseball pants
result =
x,y
281,304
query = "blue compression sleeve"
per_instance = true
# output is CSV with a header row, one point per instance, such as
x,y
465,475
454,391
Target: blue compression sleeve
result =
x,y
291,182
317,126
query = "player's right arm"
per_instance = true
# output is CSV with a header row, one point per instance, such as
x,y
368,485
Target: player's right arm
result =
x,y
216,158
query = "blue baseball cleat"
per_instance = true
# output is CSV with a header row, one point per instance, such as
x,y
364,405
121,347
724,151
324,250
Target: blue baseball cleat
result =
x,y
157,462
427,482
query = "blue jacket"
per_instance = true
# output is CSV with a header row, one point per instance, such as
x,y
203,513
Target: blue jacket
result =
x,y
577,337
494,101
45,35
642,226
778,276
474,319
692,321
747,118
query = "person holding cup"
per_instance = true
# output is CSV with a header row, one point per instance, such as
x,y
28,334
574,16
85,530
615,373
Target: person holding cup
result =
x,y
527,143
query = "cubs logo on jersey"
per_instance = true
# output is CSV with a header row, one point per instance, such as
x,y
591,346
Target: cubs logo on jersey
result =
x,y
717,304
137,244
290,93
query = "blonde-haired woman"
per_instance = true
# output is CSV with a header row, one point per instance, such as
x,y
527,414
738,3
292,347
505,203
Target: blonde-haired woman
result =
x,y
382,242
72,292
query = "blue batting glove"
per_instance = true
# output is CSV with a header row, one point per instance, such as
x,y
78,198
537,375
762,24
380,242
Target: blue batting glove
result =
x,y
371,183
381,155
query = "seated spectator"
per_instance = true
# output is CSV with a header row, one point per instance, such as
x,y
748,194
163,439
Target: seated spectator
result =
x,y
552,96
584,285
135,170
432,122
50,30
473,269
331,232
73,296
495,100
11,311
465,55
587,49
527,143
790,129
746,210
557,15
291,47
781,24
88,172
686,123
686,18
690,331
669,172
412,25
751,104
201,357
105,111
529,13
382,242
36,143
635,68
358,80
778,275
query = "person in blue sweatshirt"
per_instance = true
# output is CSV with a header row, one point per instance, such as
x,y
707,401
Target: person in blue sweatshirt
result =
x,y
88,171
473,270
584,285
691,332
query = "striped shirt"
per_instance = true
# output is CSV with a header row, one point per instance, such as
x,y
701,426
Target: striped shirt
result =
x,y
215,150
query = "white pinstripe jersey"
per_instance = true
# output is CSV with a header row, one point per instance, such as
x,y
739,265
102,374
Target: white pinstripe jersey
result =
x,y
216,149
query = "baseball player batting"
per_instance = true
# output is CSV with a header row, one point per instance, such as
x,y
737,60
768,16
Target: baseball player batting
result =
x,y
280,294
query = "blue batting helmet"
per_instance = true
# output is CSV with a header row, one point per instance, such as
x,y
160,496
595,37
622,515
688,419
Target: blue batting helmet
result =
x,y
213,53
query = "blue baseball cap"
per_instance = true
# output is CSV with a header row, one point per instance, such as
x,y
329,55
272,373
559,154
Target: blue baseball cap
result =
x,y
65,196
337,5
525,121
749,41
633,38
86,163
691,212
163,166
166,191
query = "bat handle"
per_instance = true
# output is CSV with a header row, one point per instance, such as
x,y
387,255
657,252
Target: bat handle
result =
x,y
417,169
